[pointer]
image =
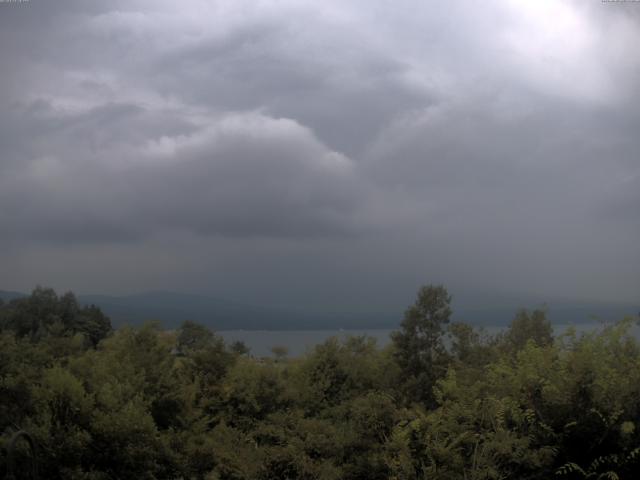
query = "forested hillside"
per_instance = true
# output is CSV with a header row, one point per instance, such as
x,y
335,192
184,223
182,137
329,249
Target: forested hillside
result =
x,y
443,401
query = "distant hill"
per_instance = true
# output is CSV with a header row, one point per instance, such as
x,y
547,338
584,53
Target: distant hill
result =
x,y
8,295
172,308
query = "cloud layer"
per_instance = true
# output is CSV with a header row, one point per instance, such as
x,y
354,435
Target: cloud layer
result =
x,y
325,151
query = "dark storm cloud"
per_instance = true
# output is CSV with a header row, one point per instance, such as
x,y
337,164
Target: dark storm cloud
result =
x,y
489,143
257,65
115,172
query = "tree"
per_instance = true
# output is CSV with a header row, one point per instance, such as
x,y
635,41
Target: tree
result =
x,y
45,315
420,351
93,324
526,327
193,336
280,352
239,348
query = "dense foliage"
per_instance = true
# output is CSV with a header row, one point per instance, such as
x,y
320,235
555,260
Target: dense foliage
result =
x,y
442,401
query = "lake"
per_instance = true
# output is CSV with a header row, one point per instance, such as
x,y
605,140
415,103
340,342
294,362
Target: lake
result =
x,y
299,342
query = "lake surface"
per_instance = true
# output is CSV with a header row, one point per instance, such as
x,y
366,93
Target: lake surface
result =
x,y
299,342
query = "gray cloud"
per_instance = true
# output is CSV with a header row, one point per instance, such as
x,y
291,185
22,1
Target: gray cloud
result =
x,y
116,172
487,145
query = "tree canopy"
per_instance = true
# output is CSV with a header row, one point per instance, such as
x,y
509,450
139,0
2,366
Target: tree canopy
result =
x,y
441,401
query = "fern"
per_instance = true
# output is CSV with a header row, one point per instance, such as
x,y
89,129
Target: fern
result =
x,y
569,468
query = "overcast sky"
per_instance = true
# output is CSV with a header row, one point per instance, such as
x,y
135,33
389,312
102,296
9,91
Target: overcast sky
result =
x,y
334,154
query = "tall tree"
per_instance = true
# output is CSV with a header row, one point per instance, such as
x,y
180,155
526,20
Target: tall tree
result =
x,y
419,347
527,327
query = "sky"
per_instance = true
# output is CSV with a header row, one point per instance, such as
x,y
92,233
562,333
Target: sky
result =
x,y
331,155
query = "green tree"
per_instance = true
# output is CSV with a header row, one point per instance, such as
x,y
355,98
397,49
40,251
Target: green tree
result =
x,y
527,327
93,324
280,352
43,314
239,348
193,336
419,347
